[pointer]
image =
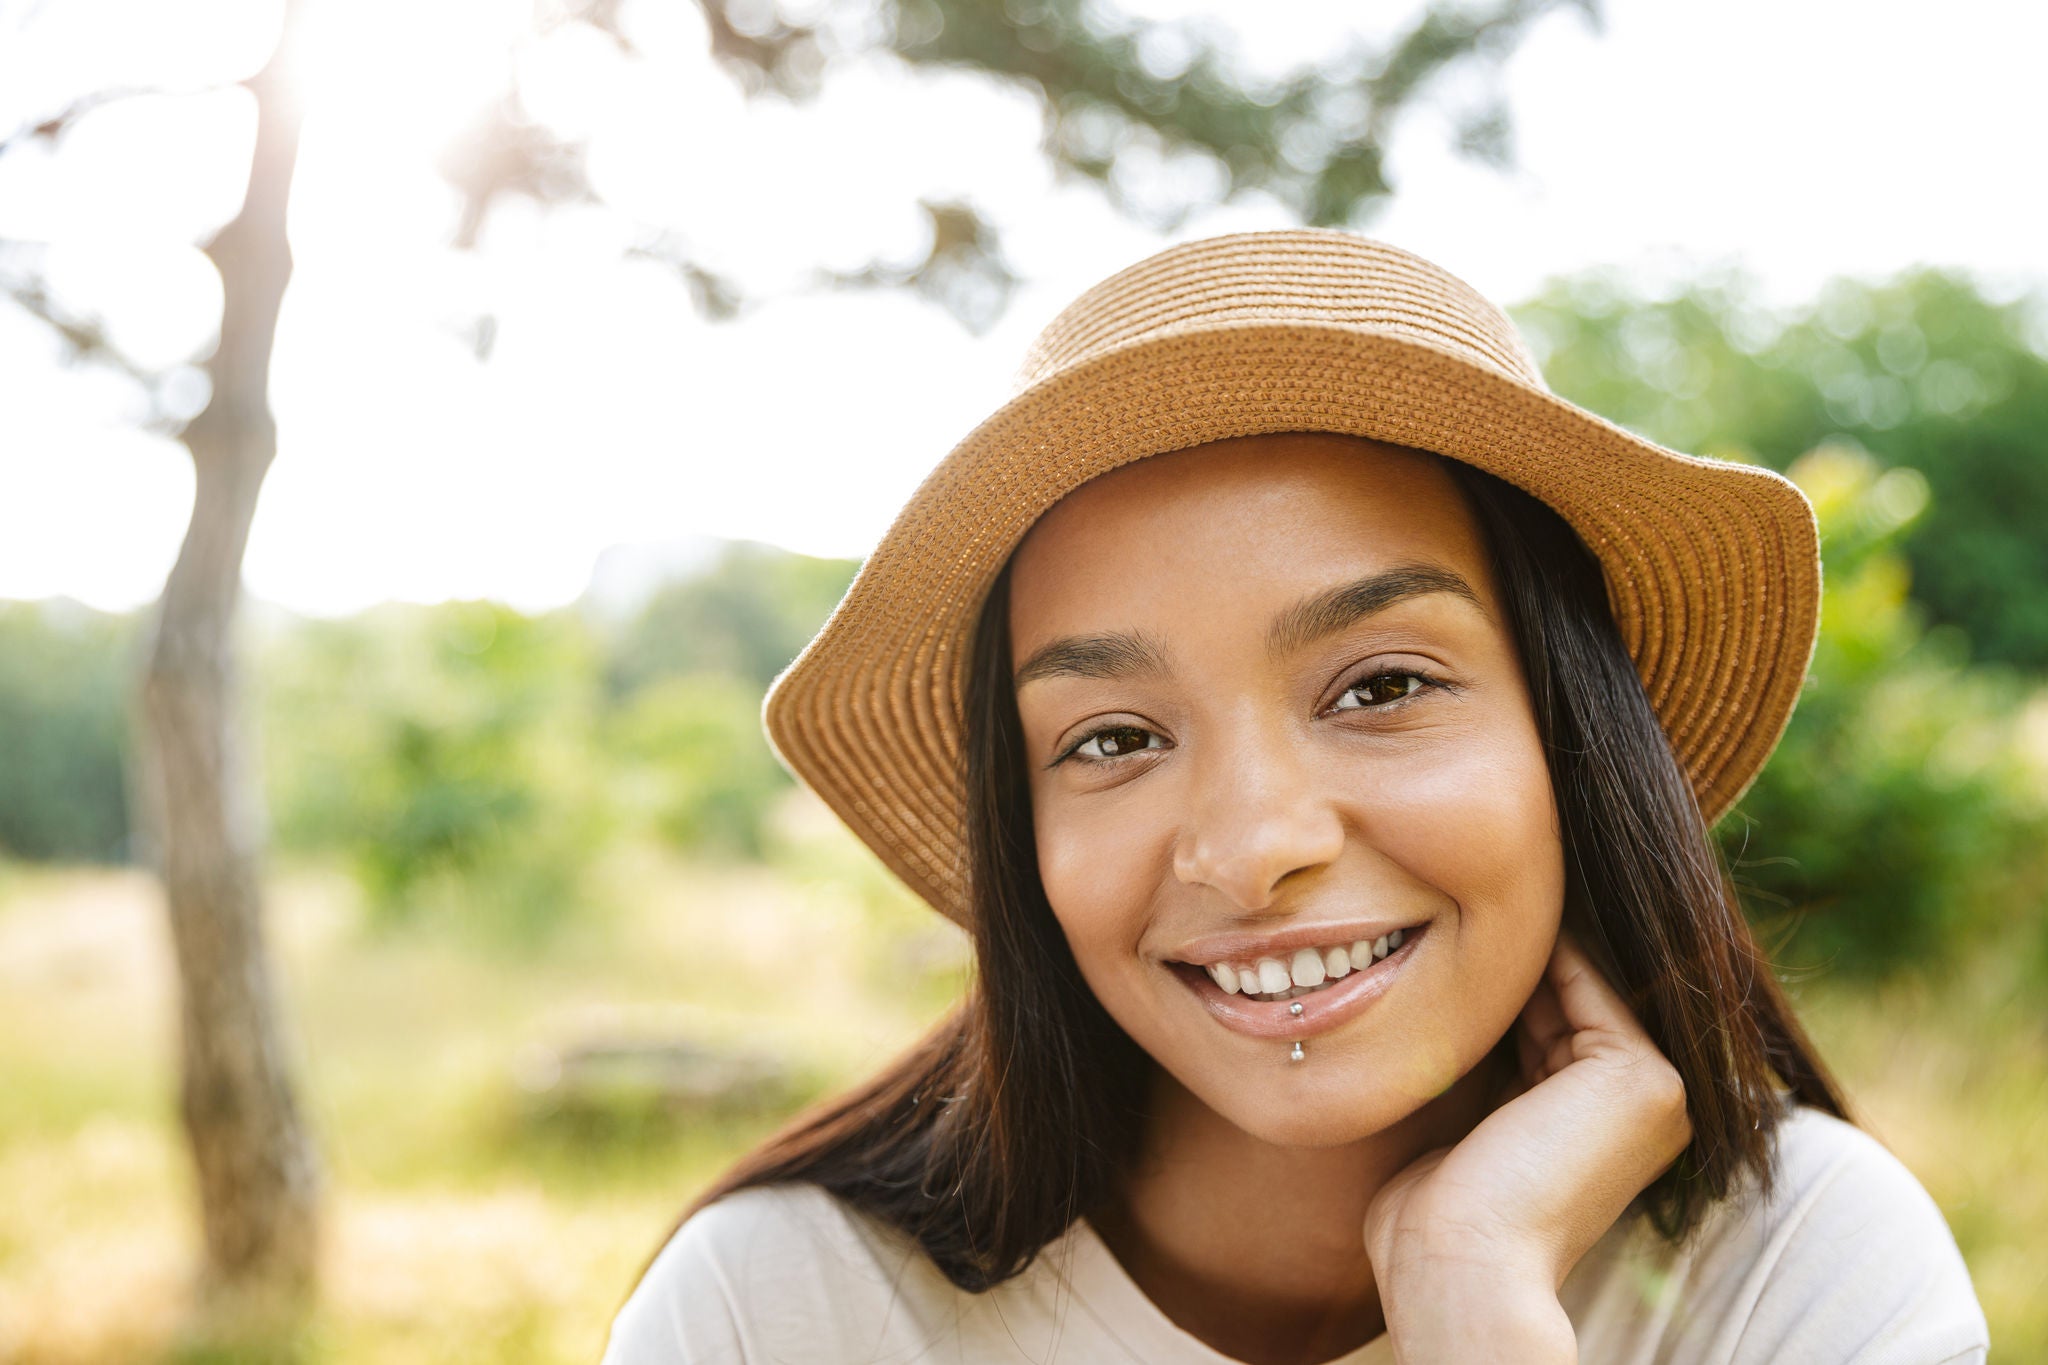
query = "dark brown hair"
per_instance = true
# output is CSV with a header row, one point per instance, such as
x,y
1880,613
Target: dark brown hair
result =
x,y
1021,1109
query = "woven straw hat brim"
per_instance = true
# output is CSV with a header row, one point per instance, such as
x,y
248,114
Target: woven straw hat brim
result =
x,y
1712,568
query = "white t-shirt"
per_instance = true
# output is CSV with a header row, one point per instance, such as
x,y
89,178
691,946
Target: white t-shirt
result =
x,y
1849,1260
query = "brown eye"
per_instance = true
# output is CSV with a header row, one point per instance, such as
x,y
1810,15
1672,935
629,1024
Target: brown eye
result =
x,y
1381,689
1116,741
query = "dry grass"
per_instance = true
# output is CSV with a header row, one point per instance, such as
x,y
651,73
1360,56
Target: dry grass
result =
x,y
457,1227
1953,1077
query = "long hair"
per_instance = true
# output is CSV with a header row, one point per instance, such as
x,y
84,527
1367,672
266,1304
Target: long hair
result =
x,y
1021,1109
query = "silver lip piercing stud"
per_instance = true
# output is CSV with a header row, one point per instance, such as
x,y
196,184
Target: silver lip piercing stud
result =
x,y
1295,1009
1297,1054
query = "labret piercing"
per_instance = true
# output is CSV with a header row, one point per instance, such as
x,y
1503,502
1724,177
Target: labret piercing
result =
x,y
1296,1055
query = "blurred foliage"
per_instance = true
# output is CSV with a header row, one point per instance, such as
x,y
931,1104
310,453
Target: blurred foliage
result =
x,y
1161,114
744,618
690,762
685,676
1923,370
1897,819
469,761
65,676
446,752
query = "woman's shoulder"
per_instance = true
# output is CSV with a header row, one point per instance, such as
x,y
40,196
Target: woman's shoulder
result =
x,y
769,1230
792,1273
1847,1257
750,1267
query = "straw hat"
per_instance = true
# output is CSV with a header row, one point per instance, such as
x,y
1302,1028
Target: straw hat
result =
x,y
1712,568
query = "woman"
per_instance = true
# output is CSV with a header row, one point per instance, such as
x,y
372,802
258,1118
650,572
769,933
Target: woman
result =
x,y
1316,724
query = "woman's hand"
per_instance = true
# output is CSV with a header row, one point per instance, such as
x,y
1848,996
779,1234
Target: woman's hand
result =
x,y
1474,1240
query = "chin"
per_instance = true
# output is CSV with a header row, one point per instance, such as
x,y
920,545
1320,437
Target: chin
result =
x,y
1313,1123
1339,1096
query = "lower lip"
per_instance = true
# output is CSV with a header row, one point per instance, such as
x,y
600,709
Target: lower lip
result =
x,y
1320,1010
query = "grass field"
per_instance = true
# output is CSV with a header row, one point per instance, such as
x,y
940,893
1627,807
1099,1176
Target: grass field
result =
x,y
467,1222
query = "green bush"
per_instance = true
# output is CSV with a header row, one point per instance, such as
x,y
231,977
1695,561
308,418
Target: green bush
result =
x,y
1895,822
446,752
745,618
690,762
65,675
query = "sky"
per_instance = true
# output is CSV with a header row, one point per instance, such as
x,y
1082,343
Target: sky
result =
x,y
1797,139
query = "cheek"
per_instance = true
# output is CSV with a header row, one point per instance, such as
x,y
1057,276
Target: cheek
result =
x,y
1478,829
1099,874
1476,821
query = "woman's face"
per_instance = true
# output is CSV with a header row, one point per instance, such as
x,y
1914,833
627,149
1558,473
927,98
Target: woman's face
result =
x,y
1272,710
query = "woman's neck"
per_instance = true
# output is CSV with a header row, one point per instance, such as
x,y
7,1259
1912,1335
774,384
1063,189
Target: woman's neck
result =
x,y
1259,1250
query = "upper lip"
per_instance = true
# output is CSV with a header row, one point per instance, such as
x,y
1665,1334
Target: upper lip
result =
x,y
1242,947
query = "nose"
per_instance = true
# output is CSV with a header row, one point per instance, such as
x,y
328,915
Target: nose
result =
x,y
1255,817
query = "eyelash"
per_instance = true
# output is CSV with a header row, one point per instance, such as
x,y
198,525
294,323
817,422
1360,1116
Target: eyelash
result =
x,y
1428,682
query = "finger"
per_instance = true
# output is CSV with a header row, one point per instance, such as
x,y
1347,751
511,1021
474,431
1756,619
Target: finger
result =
x,y
1541,1061
1543,1015
1530,1053
1588,1003
1543,1023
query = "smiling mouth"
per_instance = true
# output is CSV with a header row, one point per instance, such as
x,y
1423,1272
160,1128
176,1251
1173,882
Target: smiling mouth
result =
x,y
1303,971
1309,1001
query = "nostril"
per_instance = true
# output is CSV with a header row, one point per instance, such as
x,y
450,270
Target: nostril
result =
x,y
1250,870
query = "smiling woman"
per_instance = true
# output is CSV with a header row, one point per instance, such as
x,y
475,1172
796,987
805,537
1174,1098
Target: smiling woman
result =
x,y
1316,725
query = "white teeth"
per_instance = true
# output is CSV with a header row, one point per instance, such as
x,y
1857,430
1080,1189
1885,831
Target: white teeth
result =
x,y
1306,970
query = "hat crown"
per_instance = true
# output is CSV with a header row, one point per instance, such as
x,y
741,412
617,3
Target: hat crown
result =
x,y
1305,275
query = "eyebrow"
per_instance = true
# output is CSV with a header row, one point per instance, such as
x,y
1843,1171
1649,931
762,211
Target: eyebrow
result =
x,y
1120,654
1123,654
1324,614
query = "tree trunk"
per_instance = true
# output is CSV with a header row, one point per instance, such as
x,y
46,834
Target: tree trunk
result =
x,y
258,1175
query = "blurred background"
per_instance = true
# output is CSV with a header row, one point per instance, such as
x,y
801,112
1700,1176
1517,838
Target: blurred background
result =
x,y
426,429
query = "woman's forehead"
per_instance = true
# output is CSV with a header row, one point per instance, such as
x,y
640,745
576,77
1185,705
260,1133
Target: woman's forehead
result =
x,y
1281,512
